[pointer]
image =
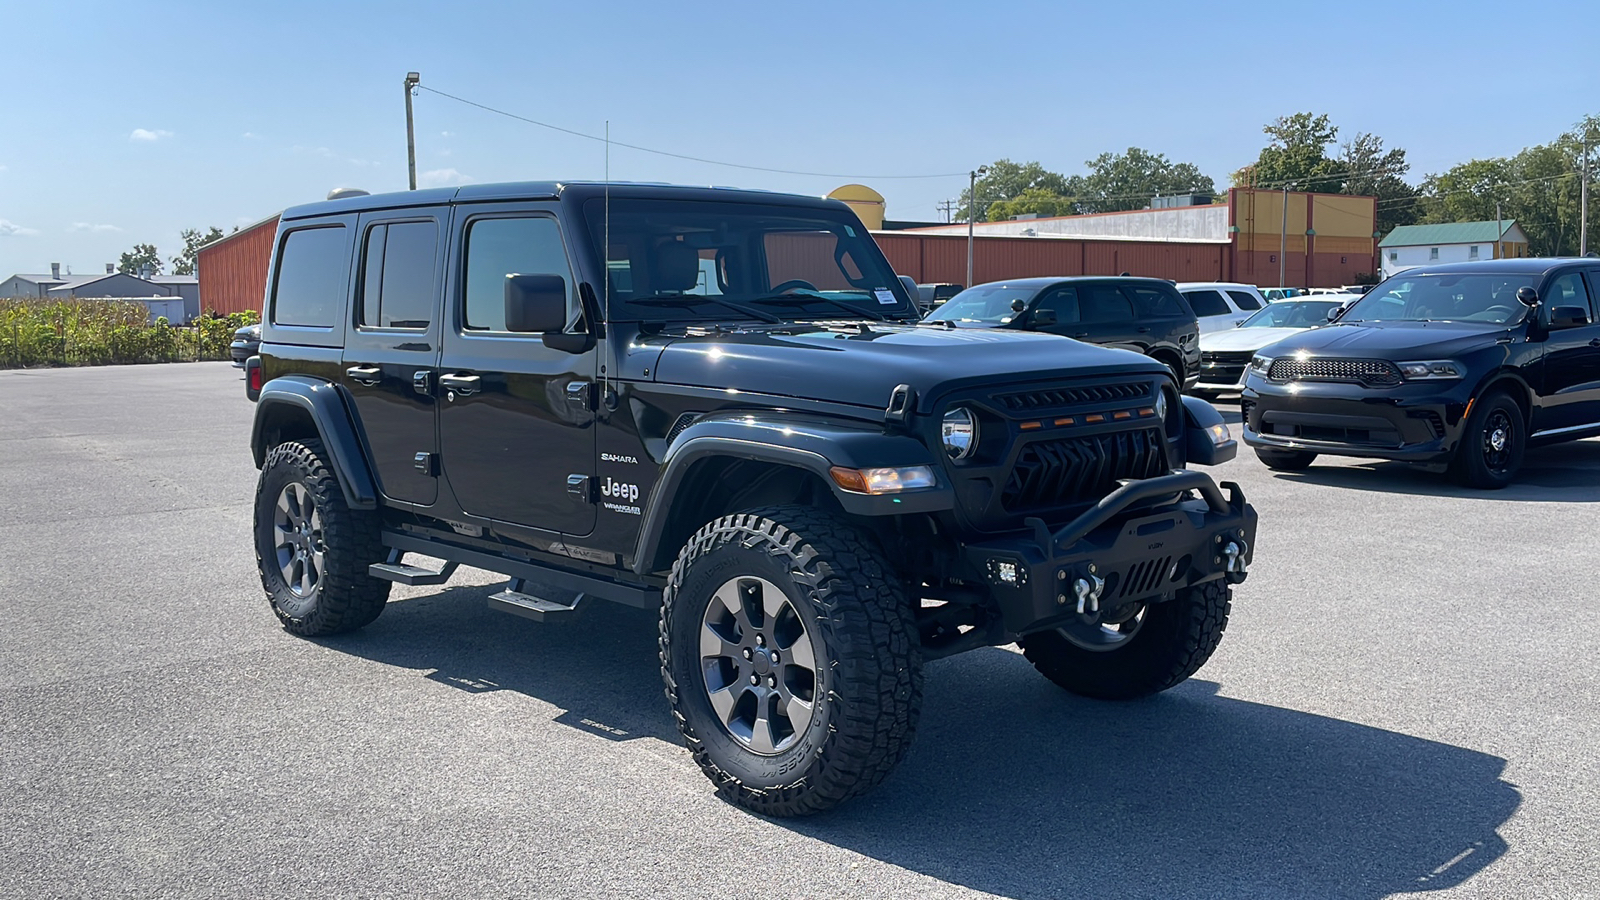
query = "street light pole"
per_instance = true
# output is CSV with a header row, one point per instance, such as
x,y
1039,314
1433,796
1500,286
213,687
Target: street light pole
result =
x,y
1583,202
1283,236
972,214
412,80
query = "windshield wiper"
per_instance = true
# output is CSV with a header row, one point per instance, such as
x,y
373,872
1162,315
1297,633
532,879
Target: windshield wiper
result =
x,y
683,300
803,296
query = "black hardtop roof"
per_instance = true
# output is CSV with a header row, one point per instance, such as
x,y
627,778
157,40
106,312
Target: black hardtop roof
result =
x,y
1529,264
1044,281
551,190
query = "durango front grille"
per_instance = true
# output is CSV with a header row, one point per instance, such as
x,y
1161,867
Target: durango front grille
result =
x,y
1370,372
1052,398
1223,368
1052,474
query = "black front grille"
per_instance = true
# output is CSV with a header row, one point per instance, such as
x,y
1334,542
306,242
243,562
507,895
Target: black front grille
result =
x,y
1028,401
1224,368
1352,371
1053,474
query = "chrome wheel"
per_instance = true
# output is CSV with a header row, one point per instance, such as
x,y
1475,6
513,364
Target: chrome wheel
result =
x,y
759,665
1093,631
297,540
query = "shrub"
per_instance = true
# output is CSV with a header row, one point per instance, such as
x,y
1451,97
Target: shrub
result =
x,y
36,332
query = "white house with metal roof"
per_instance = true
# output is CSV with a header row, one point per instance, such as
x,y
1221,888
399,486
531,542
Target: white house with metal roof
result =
x,y
1420,245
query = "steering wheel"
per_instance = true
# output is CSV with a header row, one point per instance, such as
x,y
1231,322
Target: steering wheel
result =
x,y
1489,315
794,284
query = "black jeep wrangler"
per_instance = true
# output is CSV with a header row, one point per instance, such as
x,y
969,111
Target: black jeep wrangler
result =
x,y
720,403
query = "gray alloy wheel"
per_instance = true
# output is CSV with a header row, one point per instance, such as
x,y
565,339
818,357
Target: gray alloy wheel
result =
x,y
759,664
298,542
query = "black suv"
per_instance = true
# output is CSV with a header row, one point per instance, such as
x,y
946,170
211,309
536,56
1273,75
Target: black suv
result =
x,y
720,404
1464,365
1146,315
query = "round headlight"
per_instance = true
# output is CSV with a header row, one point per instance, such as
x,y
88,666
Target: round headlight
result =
x,y
960,433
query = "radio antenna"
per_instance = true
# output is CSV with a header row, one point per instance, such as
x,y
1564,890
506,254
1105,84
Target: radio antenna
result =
x,y
605,259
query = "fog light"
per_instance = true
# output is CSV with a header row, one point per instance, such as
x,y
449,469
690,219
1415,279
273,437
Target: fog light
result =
x,y
1006,572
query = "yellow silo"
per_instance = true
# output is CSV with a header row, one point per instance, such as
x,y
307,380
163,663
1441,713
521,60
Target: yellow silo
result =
x,y
867,203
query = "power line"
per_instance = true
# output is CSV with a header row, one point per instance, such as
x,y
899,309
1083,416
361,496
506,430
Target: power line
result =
x,y
1484,189
709,162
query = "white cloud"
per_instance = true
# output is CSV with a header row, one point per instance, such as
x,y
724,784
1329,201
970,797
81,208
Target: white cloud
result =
x,y
145,134
250,136
9,229
85,226
447,134
442,178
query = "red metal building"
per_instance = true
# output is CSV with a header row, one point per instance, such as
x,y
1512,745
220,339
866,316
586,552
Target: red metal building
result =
x,y
233,270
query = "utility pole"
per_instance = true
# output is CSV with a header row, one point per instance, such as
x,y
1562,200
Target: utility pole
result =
x,y
972,215
1583,202
412,80
1283,237
948,208
1499,246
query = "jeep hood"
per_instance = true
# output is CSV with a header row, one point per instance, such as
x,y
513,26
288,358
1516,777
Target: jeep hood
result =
x,y
1395,341
862,366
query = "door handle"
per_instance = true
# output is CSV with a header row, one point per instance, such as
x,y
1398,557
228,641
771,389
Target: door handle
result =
x,y
465,385
367,375
1081,334
1594,342
1144,330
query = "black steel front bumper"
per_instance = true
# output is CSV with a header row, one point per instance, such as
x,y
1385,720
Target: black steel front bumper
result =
x,y
1124,549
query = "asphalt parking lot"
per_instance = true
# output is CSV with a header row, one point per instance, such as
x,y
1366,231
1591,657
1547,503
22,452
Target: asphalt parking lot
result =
x,y
1406,701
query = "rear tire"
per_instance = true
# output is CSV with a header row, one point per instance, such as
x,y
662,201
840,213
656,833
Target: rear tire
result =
x,y
311,548
814,591
1286,460
1492,444
1172,642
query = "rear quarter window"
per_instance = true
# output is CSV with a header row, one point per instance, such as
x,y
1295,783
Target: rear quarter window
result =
x,y
1207,303
313,271
1154,303
1244,300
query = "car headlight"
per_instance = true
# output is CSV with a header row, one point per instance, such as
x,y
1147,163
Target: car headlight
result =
x,y
883,481
1219,434
1260,364
1431,369
960,431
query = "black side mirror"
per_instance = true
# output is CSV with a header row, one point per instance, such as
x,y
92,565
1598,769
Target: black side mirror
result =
x,y
1018,306
536,303
1527,296
1043,318
1567,316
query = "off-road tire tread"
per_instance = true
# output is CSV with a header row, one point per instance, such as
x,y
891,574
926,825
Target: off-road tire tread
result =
x,y
1179,634
868,629
350,597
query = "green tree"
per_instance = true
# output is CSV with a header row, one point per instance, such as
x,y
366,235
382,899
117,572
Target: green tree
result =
x,y
1007,180
1122,181
140,256
186,263
1371,171
1041,201
1296,157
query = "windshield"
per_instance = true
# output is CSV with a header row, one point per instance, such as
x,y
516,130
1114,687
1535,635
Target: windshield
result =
x,y
1292,314
674,260
988,304
1488,297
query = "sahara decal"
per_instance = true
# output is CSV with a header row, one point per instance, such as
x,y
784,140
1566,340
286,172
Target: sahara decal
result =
x,y
619,458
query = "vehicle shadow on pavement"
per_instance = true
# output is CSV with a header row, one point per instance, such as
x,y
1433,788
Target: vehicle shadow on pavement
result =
x,y
1017,788
1565,473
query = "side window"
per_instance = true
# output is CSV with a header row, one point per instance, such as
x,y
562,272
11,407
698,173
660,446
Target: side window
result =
x,y
1064,300
1153,303
312,273
1103,303
1244,300
500,247
1207,303
397,272
1568,290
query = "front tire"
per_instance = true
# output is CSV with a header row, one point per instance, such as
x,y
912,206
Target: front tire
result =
x,y
1492,443
311,548
790,658
1169,642
1286,460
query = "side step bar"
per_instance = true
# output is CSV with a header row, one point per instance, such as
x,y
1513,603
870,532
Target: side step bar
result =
x,y
639,595
400,573
513,600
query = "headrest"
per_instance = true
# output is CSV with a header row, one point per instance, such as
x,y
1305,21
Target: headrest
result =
x,y
677,267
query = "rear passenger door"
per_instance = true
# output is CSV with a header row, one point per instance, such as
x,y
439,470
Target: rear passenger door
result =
x,y
391,349
1105,316
1571,389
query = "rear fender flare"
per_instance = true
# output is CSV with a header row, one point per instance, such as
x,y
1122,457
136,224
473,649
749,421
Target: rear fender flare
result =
x,y
325,406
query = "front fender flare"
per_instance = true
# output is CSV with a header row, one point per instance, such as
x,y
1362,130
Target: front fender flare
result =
x,y
810,444
325,406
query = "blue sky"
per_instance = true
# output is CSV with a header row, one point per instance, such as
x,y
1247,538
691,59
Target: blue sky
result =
x,y
126,123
